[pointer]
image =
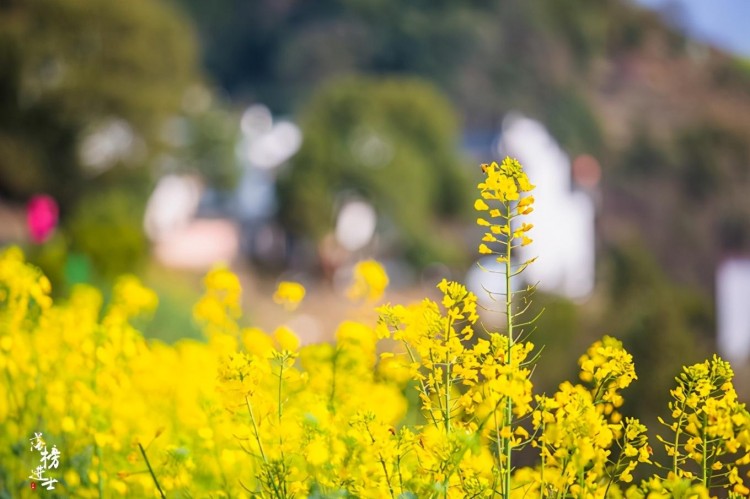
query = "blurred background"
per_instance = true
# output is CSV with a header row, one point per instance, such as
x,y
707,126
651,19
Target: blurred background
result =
x,y
291,139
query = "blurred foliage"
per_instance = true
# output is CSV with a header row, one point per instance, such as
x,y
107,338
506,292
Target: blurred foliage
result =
x,y
68,68
173,319
96,100
488,57
572,121
51,257
277,52
734,75
593,29
663,325
643,156
390,141
101,239
204,141
555,332
106,226
687,192
594,72
710,156
582,24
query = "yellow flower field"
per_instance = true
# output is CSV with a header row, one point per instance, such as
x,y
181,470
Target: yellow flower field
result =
x,y
248,413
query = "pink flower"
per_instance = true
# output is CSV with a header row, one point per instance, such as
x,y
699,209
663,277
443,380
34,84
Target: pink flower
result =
x,y
41,217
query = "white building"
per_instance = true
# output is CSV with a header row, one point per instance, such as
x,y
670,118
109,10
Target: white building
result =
x,y
733,309
563,218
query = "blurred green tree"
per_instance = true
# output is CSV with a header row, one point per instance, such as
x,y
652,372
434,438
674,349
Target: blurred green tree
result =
x,y
106,227
84,88
489,57
391,141
202,140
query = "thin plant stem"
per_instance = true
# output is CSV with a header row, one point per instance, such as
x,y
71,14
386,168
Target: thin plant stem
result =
x,y
449,326
382,463
255,429
100,482
677,432
704,464
151,471
506,465
260,443
421,382
447,414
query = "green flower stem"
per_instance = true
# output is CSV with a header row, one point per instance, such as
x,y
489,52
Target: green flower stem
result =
x,y
255,430
706,476
447,414
382,463
100,482
421,381
678,431
435,383
151,471
266,464
448,327
617,465
284,358
507,465
544,461
281,382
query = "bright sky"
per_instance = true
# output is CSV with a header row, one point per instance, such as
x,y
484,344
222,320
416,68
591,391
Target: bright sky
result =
x,y
723,23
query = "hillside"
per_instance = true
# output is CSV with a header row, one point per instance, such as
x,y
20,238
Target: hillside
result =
x,y
668,118
677,127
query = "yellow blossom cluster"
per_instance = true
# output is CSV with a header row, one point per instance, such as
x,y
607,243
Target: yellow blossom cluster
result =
x,y
607,368
220,307
289,294
710,428
505,185
369,283
252,413
243,414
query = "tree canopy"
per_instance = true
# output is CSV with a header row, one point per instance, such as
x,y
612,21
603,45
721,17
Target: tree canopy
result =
x,y
391,141
72,69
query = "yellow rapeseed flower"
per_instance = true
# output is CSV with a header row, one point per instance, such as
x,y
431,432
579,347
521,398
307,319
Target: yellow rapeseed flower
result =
x,y
289,294
369,281
286,339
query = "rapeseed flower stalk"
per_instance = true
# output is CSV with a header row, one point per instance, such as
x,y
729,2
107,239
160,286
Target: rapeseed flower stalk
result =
x,y
710,427
504,198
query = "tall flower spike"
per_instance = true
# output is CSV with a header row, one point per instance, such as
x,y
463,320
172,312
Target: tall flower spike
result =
x,y
502,199
505,187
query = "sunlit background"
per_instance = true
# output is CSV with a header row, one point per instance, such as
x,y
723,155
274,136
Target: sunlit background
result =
x,y
291,139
